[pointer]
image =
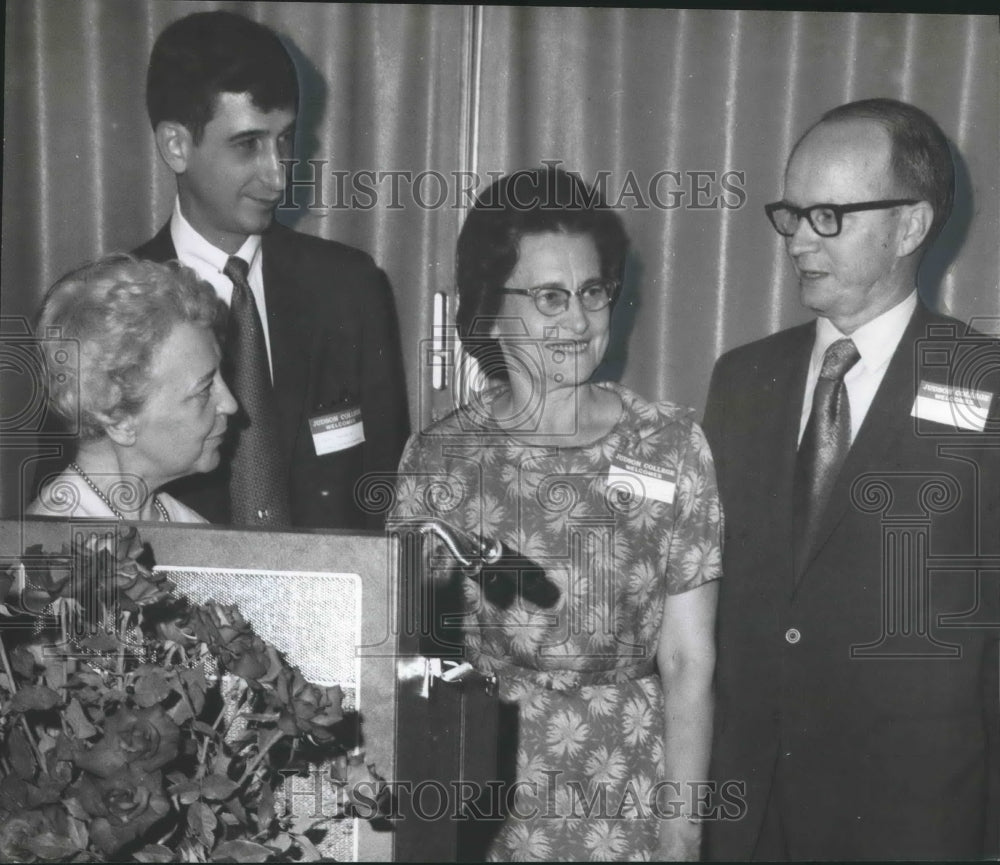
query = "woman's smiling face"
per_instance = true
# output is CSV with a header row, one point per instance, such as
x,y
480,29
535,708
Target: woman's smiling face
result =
x,y
564,349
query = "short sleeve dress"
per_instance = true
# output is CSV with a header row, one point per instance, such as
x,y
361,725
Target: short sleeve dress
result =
x,y
616,525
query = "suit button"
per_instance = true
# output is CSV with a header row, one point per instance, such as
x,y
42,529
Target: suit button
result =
x,y
792,636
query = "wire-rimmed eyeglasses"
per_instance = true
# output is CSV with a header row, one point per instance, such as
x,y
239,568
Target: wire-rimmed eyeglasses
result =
x,y
826,219
595,295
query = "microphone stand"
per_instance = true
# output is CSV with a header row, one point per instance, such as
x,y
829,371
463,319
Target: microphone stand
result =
x,y
513,575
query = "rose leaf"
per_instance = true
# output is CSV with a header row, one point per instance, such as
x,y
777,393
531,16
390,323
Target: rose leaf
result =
x,y
34,697
265,807
75,809
309,851
24,661
152,688
154,853
281,843
194,678
240,851
43,794
21,757
13,793
186,792
77,830
217,787
78,721
51,847
202,822
236,809
180,712
101,641
204,729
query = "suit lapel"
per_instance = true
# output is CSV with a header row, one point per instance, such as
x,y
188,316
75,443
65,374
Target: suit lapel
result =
x,y
786,417
160,248
887,422
785,412
291,328
769,394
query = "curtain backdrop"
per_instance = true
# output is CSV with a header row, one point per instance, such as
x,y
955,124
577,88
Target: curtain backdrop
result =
x,y
685,117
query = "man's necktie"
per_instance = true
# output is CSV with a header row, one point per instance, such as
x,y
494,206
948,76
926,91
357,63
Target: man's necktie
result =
x,y
258,489
825,443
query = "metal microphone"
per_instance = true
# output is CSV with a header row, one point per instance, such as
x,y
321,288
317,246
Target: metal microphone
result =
x,y
500,571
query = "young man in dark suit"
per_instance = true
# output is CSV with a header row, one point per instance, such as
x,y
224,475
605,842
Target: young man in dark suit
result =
x,y
858,460
312,342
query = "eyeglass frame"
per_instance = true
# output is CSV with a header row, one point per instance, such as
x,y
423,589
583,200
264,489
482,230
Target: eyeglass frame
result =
x,y
613,284
838,211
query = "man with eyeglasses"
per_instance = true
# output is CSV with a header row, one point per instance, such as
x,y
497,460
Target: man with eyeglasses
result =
x,y
857,684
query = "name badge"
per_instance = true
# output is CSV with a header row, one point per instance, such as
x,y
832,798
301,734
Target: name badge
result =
x,y
645,480
952,406
337,431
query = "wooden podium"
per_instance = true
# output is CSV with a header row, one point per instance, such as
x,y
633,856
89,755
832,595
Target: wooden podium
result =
x,y
332,601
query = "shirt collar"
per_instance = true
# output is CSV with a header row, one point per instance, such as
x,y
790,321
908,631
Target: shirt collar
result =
x,y
876,340
190,245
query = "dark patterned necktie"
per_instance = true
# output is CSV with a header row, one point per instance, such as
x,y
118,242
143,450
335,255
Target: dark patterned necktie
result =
x,y
258,492
825,443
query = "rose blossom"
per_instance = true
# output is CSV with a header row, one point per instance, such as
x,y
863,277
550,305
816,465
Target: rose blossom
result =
x,y
231,639
17,830
123,805
33,583
135,585
307,708
145,738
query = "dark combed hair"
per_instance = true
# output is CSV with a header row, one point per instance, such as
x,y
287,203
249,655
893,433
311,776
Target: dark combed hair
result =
x,y
530,201
921,159
202,55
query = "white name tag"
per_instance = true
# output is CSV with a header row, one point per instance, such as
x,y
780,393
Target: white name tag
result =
x,y
645,480
337,431
952,406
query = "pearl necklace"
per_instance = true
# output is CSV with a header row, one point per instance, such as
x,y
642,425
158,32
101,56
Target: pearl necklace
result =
x,y
160,507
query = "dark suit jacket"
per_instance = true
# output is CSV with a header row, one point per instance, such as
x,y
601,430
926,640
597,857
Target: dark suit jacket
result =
x,y
334,344
877,710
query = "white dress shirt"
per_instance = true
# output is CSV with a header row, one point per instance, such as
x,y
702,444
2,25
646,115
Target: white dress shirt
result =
x,y
876,342
208,262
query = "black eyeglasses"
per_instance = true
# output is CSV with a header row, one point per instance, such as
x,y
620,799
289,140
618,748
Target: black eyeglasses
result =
x,y
594,295
825,219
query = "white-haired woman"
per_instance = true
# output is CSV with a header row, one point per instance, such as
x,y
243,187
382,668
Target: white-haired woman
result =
x,y
146,394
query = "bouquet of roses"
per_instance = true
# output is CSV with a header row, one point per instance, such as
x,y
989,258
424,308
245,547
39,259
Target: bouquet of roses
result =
x,y
114,738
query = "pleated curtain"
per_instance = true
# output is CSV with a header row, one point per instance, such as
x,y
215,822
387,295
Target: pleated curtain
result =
x,y
684,117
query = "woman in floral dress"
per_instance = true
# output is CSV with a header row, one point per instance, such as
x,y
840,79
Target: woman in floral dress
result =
x,y
614,499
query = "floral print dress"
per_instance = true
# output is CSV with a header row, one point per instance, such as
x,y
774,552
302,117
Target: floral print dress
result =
x,y
616,525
